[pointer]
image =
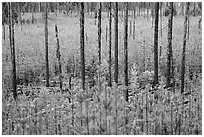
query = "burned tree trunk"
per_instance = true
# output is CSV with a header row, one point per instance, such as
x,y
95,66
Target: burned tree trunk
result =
x,y
46,47
116,43
110,33
12,45
99,33
58,57
169,49
183,57
126,49
156,43
184,49
82,45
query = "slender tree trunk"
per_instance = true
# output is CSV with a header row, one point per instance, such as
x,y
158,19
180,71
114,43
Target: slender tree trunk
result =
x,y
130,27
169,49
46,47
110,33
183,57
184,48
12,45
59,58
99,33
161,18
4,35
116,43
126,49
156,43
188,26
133,35
99,56
82,45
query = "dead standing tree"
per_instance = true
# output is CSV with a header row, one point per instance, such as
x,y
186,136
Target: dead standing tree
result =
x,y
183,55
169,49
46,46
156,43
116,43
12,46
82,45
110,33
59,58
126,50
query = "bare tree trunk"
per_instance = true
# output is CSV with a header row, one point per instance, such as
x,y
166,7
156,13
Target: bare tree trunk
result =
x,y
161,18
133,35
183,57
126,49
99,56
12,45
169,49
116,43
156,43
58,57
110,33
46,47
82,45
184,48
99,33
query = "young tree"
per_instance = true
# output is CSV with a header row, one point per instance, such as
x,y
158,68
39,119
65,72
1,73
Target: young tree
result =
x,y
116,43
82,45
12,45
156,43
169,49
58,57
126,49
110,33
46,46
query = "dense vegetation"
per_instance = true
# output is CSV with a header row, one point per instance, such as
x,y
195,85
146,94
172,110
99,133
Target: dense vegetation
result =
x,y
98,108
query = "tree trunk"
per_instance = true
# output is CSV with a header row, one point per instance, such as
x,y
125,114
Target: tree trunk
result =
x,y
161,18
116,43
58,57
184,48
46,47
169,49
183,56
12,45
156,43
82,45
110,33
99,34
99,56
133,35
126,49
